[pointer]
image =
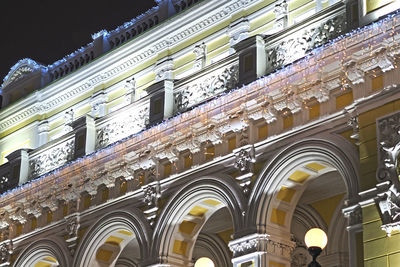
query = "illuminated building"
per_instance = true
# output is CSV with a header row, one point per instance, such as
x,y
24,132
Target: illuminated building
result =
x,y
218,129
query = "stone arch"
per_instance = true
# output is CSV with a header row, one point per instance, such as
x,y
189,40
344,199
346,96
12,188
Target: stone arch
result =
x,y
187,212
327,151
106,239
49,252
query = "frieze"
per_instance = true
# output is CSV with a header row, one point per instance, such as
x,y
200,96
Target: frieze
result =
x,y
52,158
389,207
292,49
122,127
261,242
207,87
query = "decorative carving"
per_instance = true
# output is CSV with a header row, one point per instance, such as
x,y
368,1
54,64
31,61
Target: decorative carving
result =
x,y
260,242
238,31
122,127
388,148
22,68
18,215
72,225
209,86
6,250
262,110
281,12
52,158
130,86
389,207
152,194
200,52
33,208
353,122
98,103
244,159
163,69
292,49
381,59
353,73
68,119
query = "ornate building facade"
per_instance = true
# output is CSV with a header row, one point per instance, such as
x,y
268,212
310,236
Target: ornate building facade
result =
x,y
218,128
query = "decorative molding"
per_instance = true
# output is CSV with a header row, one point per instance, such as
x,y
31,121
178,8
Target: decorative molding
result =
x,y
281,11
389,206
51,158
238,31
244,162
6,251
200,52
206,87
127,124
22,68
294,48
72,225
163,69
152,193
261,243
353,72
388,135
244,159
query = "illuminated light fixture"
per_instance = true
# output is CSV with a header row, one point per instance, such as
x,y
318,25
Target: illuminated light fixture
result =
x,y
316,241
204,262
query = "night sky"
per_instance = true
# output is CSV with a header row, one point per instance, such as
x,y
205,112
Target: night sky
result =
x,y
48,30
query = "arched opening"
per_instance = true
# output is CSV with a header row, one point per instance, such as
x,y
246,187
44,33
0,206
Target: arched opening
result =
x,y
44,253
199,222
118,239
306,186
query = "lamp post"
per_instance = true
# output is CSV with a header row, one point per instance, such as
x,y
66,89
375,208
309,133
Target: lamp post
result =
x,y
316,241
204,262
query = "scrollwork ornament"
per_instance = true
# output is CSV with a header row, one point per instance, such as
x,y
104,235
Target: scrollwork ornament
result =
x,y
244,159
388,148
6,250
389,207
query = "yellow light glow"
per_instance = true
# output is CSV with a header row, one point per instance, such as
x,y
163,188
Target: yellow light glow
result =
x,y
315,237
204,262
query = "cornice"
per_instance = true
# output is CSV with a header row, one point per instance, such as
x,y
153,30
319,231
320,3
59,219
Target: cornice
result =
x,y
123,58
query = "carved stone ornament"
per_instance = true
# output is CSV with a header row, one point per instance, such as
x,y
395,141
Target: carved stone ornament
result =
x,y
389,207
260,242
122,127
388,131
200,52
72,226
207,87
52,158
6,250
354,73
152,194
292,49
244,159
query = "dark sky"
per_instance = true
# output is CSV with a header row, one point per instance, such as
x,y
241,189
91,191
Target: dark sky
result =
x,y
48,30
